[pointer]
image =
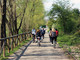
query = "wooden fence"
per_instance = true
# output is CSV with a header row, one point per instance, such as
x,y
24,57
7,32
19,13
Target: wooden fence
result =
x,y
12,42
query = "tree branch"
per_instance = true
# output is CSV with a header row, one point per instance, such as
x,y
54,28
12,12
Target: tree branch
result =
x,y
22,16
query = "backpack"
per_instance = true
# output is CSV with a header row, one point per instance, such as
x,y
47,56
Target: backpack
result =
x,y
53,34
56,33
50,33
43,31
38,34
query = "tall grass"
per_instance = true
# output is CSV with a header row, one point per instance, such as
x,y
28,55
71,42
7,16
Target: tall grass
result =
x,y
69,40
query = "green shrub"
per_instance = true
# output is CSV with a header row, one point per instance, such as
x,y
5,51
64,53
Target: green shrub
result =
x,y
68,40
77,33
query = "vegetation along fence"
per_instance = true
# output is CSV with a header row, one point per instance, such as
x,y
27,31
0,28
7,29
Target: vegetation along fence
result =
x,y
11,42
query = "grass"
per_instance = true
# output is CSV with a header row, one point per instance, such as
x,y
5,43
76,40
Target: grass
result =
x,y
68,41
76,50
79,58
69,49
14,50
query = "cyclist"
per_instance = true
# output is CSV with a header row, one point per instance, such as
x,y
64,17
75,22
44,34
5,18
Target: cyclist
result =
x,y
33,34
38,35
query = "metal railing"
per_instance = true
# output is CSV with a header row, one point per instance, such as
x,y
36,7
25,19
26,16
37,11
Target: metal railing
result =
x,y
12,42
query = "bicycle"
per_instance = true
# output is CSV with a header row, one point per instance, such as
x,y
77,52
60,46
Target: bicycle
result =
x,y
54,43
33,38
38,40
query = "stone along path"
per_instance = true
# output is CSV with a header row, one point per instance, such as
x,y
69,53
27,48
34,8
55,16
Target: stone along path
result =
x,y
45,52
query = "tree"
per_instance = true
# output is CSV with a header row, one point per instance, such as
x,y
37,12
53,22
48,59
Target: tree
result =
x,y
50,23
63,12
12,18
3,24
23,15
34,14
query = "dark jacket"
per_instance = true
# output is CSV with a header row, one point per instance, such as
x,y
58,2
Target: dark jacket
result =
x,y
38,34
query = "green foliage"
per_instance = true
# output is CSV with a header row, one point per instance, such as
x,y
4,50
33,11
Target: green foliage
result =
x,y
69,40
34,16
76,50
50,23
43,26
69,49
66,17
77,33
16,17
3,58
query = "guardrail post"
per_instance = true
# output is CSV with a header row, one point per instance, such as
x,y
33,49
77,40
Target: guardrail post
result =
x,y
12,44
3,48
13,41
17,41
28,36
0,45
8,45
31,35
25,36
21,38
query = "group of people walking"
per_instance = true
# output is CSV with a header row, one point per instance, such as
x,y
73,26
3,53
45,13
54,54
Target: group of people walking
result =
x,y
38,34
53,33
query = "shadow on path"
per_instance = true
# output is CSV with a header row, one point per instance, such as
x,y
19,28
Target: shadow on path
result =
x,y
22,52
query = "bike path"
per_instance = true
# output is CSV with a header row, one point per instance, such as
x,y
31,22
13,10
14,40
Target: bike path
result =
x,y
45,52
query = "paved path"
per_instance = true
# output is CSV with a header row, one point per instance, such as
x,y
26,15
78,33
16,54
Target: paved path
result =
x,y
45,52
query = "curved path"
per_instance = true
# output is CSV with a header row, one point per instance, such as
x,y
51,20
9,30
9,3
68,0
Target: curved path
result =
x,y
45,52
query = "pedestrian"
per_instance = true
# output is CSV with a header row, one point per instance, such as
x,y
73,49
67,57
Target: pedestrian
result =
x,y
50,34
43,33
33,34
53,35
56,35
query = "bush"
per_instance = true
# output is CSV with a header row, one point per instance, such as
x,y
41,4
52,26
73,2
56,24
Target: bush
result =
x,y
77,33
68,40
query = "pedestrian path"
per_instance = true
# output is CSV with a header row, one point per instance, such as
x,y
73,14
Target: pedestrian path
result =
x,y
45,52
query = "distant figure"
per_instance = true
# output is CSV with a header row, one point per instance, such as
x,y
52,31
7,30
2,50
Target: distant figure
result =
x,y
43,33
50,34
38,33
56,35
53,35
38,36
33,34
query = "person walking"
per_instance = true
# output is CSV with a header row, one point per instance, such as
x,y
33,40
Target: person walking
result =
x,y
53,35
43,33
56,35
33,34
50,35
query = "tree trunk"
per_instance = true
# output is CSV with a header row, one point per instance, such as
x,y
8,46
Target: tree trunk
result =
x,y
3,25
